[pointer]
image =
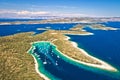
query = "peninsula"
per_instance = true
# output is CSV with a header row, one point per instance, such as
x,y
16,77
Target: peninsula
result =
x,y
72,51
14,53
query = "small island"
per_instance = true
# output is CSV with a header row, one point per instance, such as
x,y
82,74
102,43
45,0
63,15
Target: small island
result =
x,y
94,26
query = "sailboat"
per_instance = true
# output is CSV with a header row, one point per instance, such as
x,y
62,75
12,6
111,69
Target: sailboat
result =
x,y
45,62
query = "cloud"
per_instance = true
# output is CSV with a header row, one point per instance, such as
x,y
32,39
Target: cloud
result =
x,y
29,14
23,12
74,15
71,14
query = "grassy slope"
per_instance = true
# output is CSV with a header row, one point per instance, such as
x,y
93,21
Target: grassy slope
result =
x,y
17,64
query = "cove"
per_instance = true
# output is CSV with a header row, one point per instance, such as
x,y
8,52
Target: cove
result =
x,y
53,64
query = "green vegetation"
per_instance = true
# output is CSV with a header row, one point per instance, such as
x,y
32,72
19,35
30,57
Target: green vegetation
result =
x,y
15,62
77,27
71,32
95,26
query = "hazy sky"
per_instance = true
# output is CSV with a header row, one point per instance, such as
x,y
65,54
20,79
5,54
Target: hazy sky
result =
x,y
26,8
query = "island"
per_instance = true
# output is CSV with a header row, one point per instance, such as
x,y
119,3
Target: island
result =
x,y
18,64
78,29
63,20
94,26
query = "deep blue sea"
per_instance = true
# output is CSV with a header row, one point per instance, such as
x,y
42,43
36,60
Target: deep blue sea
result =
x,y
104,45
14,20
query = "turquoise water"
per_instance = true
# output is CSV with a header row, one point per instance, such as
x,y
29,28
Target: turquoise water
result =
x,y
56,66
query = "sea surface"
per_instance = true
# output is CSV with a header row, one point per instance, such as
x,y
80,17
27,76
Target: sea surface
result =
x,y
104,45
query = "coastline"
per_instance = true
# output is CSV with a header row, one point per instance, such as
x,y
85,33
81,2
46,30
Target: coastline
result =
x,y
104,65
83,34
36,64
36,68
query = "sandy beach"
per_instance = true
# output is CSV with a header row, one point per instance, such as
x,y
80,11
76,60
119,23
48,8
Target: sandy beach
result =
x,y
85,34
36,68
104,65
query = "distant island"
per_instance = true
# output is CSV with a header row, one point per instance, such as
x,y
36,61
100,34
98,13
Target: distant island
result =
x,y
63,20
78,29
95,26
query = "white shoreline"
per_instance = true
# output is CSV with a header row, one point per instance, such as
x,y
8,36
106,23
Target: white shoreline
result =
x,y
36,68
104,65
67,38
81,34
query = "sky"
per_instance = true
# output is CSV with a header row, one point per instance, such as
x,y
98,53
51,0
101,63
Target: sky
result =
x,y
67,8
